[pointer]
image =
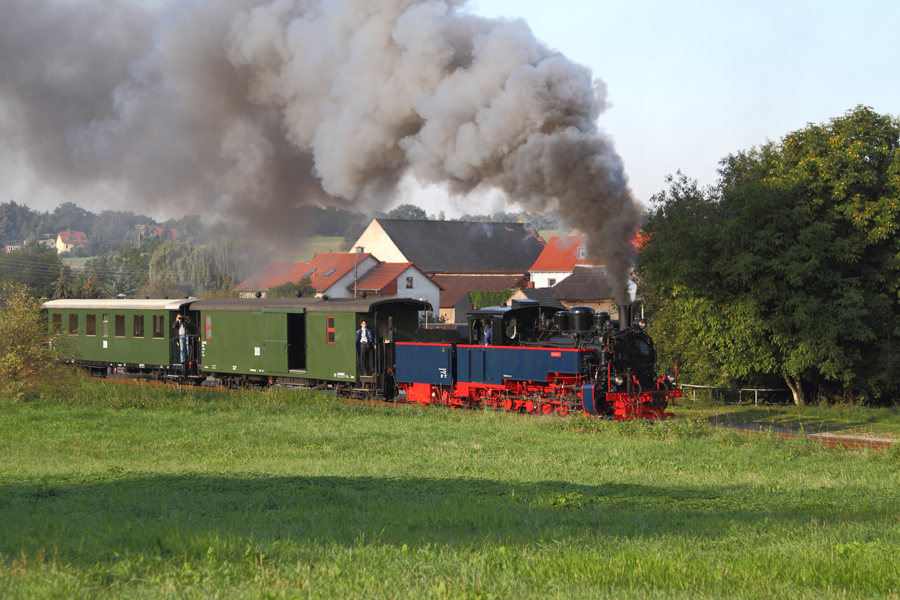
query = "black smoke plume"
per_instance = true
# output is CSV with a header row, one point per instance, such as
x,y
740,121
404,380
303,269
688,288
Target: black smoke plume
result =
x,y
250,108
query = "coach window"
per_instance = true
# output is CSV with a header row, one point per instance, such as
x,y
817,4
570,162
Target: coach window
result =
x,y
207,325
73,324
90,325
105,325
158,326
409,283
120,325
57,323
329,329
139,326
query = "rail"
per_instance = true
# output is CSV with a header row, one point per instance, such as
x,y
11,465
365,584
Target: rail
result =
x,y
728,395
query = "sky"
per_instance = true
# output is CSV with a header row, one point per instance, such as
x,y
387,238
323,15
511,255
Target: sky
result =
x,y
688,83
691,82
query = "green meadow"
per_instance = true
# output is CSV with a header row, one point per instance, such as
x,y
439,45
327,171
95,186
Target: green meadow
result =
x,y
143,491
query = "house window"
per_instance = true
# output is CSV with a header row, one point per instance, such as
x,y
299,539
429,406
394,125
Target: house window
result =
x,y
57,323
158,326
120,325
207,326
582,252
105,325
329,329
409,283
551,282
139,326
73,324
90,325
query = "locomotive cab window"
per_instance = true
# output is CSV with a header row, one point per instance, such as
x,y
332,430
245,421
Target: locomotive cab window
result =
x,y
329,329
57,323
120,325
73,324
90,325
158,326
138,326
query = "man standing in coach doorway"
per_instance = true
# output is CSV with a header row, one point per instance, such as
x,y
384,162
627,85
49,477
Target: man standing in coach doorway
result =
x,y
365,342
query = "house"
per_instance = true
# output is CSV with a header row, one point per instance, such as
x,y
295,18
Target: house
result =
x,y
329,273
460,292
66,241
461,257
398,280
154,231
558,260
543,296
454,246
589,286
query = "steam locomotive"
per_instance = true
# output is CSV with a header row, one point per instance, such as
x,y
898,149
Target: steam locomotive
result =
x,y
533,362
536,361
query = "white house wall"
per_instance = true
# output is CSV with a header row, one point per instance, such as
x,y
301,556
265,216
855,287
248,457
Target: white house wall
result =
x,y
423,287
375,241
542,279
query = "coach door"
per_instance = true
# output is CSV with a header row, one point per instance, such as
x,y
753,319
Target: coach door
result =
x,y
275,357
296,342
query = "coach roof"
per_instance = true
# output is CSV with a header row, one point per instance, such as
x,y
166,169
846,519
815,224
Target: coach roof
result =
x,y
355,305
127,304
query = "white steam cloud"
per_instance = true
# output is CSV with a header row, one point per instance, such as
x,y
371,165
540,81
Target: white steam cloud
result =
x,y
249,108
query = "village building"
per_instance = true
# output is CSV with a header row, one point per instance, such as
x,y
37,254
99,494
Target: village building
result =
x,y
66,241
462,258
589,286
558,260
543,296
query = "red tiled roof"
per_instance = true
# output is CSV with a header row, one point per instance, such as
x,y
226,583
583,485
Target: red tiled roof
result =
x,y
561,254
73,237
326,269
383,278
455,287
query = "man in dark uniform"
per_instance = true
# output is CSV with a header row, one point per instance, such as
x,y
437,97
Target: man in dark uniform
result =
x,y
365,342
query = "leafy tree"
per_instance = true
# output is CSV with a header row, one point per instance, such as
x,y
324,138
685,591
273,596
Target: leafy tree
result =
x,y
791,266
28,351
33,265
289,290
408,212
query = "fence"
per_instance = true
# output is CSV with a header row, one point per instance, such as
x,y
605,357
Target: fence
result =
x,y
739,395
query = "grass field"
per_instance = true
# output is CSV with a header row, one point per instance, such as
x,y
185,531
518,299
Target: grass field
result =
x,y
140,491
303,249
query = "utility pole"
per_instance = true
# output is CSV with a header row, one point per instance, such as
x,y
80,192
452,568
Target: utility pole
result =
x,y
359,250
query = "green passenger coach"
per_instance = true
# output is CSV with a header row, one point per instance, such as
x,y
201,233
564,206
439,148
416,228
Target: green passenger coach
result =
x,y
301,341
131,335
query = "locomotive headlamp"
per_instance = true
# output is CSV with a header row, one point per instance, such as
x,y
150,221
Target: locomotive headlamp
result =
x,y
618,380
639,323
670,378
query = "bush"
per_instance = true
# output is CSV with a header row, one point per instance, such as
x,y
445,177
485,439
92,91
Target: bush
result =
x,y
28,351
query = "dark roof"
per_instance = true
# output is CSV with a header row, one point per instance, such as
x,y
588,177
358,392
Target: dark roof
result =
x,y
338,305
465,247
544,297
455,287
585,283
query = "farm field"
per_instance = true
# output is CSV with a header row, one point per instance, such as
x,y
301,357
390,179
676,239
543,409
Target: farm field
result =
x,y
145,491
304,248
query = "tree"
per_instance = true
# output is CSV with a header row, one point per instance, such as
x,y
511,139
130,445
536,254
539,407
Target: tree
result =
x,y
289,290
28,351
408,212
791,266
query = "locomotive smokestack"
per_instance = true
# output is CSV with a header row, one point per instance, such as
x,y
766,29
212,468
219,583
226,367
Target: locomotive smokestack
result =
x,y
626,316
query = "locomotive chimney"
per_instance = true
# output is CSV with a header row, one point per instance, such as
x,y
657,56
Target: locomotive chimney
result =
x,y
626,316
